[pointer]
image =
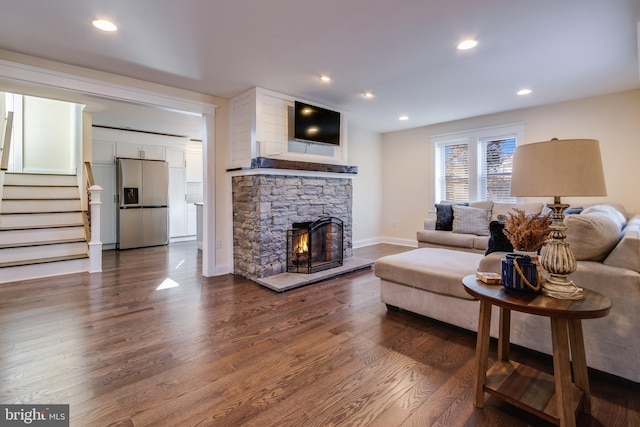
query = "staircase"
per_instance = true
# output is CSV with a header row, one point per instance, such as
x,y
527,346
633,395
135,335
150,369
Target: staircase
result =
x,y
42,227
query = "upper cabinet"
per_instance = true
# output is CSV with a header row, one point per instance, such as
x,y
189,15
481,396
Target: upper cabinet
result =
x,y
176,157
194,162
103,152
134,151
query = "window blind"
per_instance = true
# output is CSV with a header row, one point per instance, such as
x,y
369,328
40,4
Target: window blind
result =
x,y
455,171
497,164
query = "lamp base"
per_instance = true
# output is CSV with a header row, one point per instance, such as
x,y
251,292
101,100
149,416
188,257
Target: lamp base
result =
x,y
557,258
559,287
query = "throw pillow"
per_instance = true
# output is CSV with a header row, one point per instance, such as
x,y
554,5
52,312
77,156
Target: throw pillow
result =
x,y
444,216
569,211
573,211
498,241
592,236
608,211
468,220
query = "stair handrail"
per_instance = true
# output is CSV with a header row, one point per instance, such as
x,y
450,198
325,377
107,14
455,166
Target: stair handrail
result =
x,y
93,216
89,174
6,141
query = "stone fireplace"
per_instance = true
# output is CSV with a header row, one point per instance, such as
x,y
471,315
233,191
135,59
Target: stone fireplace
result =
x,y
268,202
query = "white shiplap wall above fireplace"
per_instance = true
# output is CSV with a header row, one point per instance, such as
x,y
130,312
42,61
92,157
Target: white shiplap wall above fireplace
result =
x,y
259,127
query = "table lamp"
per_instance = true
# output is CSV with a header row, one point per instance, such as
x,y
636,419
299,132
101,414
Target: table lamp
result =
x,y
568,167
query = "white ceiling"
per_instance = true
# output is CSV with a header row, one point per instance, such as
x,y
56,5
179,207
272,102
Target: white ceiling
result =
x,y
401,50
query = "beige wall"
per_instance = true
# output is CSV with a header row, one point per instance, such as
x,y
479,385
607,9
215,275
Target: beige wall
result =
x,y
613,119
365,151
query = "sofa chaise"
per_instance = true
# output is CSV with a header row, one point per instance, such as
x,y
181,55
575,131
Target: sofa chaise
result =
x,y
606,242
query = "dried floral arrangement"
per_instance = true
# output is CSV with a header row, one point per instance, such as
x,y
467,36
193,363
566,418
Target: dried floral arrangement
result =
x,y
527,232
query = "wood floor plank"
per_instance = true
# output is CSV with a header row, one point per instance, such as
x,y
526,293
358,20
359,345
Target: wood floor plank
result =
x,y
224,351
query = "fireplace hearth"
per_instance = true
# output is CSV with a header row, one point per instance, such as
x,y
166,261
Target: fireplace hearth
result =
x,y
315,245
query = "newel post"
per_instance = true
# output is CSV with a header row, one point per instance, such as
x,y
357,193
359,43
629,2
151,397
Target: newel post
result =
x,y
95,245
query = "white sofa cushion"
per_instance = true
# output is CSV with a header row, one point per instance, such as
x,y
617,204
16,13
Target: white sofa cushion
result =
x,y
626,254
434,270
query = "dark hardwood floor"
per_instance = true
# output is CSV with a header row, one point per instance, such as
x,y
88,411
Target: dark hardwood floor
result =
x,y
124,348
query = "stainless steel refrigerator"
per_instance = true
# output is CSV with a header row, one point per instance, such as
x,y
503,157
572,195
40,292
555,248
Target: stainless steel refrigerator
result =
x,y
143,194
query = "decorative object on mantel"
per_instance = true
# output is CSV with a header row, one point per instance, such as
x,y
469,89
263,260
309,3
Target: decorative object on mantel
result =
x,y
527,234
570,167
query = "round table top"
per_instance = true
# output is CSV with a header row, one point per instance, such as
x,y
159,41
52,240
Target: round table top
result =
x,y
593,304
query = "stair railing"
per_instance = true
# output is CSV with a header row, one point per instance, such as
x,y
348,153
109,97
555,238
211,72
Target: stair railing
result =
x,y
5,146
6,141
93,196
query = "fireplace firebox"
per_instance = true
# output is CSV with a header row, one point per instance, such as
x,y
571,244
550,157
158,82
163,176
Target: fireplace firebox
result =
x,y
315,246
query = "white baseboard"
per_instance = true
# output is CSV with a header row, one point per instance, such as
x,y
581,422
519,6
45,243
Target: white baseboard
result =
x,y
182,239
367,242
402,242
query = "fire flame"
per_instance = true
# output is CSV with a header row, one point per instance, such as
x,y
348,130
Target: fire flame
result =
x,y
303,244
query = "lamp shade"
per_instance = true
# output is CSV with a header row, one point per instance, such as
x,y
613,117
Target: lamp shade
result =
x,y
565,167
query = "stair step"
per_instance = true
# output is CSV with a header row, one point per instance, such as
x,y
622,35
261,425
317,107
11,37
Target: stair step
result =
x,y
41,206
19,192
40,236
48,260
38,227
39,179
45,267
38,220
25,254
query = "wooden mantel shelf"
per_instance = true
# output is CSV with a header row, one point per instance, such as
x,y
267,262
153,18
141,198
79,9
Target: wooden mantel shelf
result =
x,y
266,163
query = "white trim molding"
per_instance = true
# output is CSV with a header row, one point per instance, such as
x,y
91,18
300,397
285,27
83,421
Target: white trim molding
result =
x,y
90,86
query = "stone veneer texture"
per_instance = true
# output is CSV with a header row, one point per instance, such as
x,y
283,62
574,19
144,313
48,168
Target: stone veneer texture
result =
x,y
265,207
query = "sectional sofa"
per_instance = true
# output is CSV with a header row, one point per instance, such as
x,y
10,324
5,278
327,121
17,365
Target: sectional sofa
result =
x,y
606,242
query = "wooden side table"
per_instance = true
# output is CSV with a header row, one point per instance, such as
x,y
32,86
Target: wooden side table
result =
x,y
554,398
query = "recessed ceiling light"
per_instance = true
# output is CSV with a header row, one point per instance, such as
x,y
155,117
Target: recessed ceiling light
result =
x,y
369,95
467,44
403,118
524,91
325,78
104,25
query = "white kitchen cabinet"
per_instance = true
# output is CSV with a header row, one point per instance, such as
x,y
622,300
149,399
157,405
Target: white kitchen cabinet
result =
x,y
194,162
135,151
177,202
105,176
176,157
103,152
191,219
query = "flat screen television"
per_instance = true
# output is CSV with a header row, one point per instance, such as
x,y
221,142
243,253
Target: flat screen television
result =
x,y
315,124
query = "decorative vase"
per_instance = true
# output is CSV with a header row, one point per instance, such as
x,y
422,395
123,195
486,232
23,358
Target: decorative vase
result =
x,y
519,272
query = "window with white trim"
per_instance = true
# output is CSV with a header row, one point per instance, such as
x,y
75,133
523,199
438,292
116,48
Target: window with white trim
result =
x,y
475,165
